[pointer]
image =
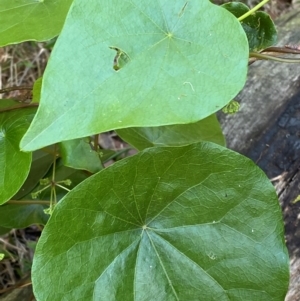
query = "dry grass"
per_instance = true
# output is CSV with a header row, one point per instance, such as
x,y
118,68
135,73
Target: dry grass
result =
x,y
21,65
18,247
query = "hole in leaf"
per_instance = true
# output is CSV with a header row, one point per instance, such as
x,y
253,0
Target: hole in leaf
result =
x,y
121,58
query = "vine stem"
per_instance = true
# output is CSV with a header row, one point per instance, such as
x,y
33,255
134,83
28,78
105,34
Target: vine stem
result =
x,y
53,199
281,50
253,10
15,88
96,142
62,187
28,202
273,58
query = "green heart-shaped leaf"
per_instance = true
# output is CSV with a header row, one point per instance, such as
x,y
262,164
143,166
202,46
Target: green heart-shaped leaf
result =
x,y
178,223
137,64
38,20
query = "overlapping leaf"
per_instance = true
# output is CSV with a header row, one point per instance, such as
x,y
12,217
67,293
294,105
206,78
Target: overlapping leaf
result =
x,y
207,129
23,215
78,154
259,27
4,230
184,223
41,163
137,64
14,164
38,20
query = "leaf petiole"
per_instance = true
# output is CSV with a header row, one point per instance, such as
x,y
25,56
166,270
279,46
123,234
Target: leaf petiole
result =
x,y
253,10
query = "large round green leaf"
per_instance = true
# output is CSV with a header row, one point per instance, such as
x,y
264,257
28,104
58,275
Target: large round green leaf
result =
x,y
198,222
38,20
138,63
14,164
207,129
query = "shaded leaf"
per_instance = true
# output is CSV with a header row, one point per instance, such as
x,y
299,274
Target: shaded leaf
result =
x,y
4,230
78,154
14,164
37,20
181,223
207,129
22,216
41,163
259,27
7,103
179,58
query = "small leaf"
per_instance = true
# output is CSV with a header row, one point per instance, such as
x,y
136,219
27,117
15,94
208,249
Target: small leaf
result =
x,y
37,20
78,154
170,223
259,27
173,61
2,256
207,129
14,164
231,108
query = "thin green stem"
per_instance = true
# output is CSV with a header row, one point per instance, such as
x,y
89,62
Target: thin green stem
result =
x,y
53,199
39,191
28,202
54,196
21,106
54,165
63,187
253,10
273,58
96,142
